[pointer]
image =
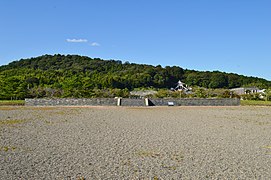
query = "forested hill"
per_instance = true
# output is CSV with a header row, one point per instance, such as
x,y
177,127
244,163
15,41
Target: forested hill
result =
x,y
79,76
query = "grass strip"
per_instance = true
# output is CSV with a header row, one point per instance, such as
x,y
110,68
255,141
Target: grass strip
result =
x,y
12,102
255,103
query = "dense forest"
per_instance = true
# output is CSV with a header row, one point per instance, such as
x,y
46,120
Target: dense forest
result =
x,y
81,76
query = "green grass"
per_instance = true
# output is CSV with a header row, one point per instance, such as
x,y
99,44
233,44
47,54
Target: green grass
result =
x,y
6,148
12,122
12,102
255,103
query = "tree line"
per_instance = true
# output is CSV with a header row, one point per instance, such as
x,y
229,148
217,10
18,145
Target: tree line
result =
x,y
81,76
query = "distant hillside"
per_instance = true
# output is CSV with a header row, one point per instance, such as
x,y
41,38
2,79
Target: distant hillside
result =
x,y
81,76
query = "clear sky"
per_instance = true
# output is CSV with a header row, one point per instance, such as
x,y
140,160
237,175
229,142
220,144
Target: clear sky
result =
x,y
225,35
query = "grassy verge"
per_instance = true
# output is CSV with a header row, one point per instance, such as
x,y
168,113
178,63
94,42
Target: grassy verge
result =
x,y
11,102
255,103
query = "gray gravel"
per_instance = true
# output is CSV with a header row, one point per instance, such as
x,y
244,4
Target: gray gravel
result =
x,y
135,143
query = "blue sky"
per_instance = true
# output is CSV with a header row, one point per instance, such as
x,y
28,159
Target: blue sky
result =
x,y
225,35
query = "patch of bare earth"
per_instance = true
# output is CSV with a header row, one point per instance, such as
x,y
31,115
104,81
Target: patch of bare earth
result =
x,y
135,143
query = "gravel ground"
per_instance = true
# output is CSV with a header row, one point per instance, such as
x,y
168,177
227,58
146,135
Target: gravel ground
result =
x,y
135,143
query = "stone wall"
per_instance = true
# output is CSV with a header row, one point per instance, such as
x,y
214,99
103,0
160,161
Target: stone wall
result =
x,y
72,102
131,102
196,102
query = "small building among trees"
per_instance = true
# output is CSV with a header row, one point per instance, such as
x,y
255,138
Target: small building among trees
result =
x,y
247,90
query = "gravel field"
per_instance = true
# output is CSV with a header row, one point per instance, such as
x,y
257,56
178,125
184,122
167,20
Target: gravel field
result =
x,y
135,143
